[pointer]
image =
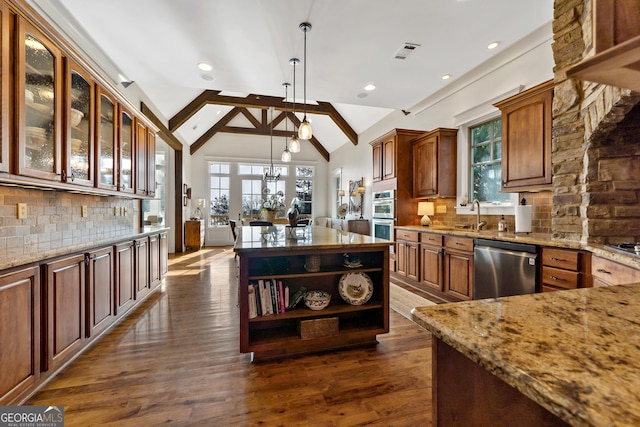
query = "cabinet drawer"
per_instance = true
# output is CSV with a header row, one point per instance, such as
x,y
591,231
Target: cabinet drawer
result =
x,y
612,272
559,278
411,236
458,243
431,239
561,258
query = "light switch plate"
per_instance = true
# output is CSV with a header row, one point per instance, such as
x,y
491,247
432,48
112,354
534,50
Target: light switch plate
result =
x,y
22,210
441,209
84,211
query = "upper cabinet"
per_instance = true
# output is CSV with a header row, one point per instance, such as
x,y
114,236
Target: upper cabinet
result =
x,y
389,155
79,158
141,155
434,164
39,93
62,125
616,41
526,139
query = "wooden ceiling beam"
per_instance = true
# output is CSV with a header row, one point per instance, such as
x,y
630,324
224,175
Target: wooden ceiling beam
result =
x,y
262,102
164,133
214,129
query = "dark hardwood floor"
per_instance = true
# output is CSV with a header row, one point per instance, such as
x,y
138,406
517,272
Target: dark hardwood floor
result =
x,y
175,361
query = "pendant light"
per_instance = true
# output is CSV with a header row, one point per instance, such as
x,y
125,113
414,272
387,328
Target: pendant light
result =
x,y
304,131
286,154
270,173
294,143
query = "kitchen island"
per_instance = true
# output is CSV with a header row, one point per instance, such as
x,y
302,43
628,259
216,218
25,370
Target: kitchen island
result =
x,y
573,356
280,253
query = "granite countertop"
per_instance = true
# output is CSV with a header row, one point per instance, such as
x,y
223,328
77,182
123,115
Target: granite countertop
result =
x,y
282,237
576,353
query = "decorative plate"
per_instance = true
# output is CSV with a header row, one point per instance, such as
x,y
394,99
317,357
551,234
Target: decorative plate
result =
x,y
355,288
342,210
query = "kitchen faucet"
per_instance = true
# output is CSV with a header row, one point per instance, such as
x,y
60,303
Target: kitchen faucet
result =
x,y
479,224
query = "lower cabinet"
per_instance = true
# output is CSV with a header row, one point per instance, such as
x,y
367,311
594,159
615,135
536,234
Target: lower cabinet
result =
x,y
564,269
141,251
124,274
458,266
607,272
164,254
19,332
154,261
64,311
431,261
408,254
101,310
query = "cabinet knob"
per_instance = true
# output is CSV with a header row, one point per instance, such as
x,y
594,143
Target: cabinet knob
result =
x,y
558,279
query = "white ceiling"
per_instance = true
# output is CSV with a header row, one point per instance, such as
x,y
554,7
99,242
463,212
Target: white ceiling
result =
x,y
158,44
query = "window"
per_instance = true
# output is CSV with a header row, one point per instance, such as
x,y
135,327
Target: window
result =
x,y
153,210
255,190
219,194
486,162
304,189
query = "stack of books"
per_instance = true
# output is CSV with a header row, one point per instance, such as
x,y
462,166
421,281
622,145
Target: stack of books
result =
x,y
271,296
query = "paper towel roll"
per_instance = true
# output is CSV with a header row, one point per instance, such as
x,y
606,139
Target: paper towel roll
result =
x,y
523,218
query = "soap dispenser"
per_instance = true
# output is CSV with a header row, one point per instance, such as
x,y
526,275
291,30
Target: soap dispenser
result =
x,y
502,224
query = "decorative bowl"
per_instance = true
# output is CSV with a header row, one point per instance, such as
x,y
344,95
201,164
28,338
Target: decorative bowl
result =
x,y
317,300
75,117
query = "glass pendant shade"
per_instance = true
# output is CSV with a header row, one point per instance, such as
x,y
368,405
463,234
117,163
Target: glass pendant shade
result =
x,y
294,144
286,156
304,131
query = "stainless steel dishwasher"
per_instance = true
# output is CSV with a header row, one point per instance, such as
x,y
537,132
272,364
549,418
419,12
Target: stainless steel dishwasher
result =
x,y
504,268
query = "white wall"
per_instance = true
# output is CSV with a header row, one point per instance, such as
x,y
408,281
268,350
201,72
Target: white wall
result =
x,y
527,64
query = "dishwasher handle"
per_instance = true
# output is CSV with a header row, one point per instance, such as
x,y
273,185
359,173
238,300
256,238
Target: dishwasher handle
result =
x,y
510,246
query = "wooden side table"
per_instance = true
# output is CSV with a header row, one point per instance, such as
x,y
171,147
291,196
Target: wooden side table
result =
x,y
360,226
194,234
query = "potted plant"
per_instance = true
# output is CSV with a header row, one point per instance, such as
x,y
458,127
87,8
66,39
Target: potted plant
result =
x,y
272,205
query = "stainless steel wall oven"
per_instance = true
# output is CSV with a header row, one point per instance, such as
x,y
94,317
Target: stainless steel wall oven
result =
x,y
384,214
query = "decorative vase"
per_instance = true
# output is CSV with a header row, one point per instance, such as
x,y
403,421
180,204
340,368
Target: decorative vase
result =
x,y
268,215
293,217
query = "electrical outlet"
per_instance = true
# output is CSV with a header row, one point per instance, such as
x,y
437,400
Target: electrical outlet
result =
x,y
22,210
441,209
83,211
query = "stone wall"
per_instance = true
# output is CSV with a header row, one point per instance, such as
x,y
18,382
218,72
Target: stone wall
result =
x,y
595,159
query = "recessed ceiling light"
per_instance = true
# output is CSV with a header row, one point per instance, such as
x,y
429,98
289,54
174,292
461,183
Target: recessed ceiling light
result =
x,y
493,45
207,77
204,66
370,87
446,76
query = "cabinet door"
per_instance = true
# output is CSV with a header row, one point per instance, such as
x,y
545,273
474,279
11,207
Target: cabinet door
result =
x,y
65,320
38,97
79,153
141,267
526,139
431,266
106,147
402,253
100,291
389,158
377,162
151,163
124,274
458,274
5,73
125,150
19,332
413,261
164,254
141,159
154,261
425,167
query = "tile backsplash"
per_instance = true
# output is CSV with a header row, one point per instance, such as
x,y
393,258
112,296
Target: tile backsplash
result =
x,y
54,224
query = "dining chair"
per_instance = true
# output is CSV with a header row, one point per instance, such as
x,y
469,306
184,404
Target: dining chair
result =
x,y
260,223
305,221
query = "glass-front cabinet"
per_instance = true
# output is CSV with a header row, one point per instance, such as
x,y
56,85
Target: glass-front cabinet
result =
x,y
79,150
106,141
141,156
151,163
39,104
125,178
4,89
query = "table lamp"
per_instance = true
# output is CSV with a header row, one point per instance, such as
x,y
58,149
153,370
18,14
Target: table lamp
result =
x,y
425,209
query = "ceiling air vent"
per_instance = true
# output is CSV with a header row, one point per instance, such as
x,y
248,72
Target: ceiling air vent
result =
x,y
405,50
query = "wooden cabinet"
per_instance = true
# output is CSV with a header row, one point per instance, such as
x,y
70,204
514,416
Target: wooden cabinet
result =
x,y
564,269
145,160
106,144
434,164
19,332
278,335
141,256
64,318
79,153
616,41
164,254
458,266
5,75
125,277
39,104
151,163
360,226
100,290
392,163
408,254
194,234
125,150
431,261
154,261
526,139
607,272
